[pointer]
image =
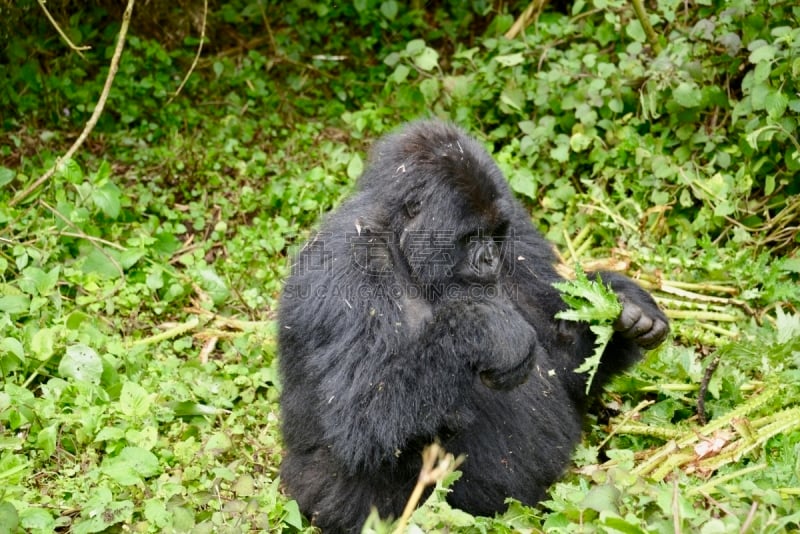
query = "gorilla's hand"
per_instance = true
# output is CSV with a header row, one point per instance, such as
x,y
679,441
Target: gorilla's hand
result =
x,y
500,345
640,320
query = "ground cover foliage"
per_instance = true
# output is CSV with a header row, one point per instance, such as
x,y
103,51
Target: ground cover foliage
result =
x,y
138,285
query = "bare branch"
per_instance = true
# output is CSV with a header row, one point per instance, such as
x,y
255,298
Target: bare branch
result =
x,y
98,110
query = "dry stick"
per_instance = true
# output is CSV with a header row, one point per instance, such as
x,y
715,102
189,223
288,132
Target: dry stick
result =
x,y
641,14
98,109
436,464
60,31
533,8
197,55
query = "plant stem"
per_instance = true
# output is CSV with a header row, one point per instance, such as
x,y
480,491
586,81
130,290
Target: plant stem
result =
x,y
641,14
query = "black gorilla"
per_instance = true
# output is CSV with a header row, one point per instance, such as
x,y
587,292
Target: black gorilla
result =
x,y
423,309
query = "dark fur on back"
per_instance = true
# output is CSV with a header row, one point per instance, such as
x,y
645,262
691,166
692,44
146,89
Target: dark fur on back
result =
x,y
382,347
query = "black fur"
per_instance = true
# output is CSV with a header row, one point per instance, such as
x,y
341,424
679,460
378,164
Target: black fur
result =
x,y
391,337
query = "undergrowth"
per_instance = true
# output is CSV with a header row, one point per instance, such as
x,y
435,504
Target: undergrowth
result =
x,y
138,285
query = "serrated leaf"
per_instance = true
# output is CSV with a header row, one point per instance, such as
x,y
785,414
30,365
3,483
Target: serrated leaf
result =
x,y
775,103
593,302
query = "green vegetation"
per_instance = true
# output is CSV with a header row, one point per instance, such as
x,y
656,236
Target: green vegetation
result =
x,y
138,285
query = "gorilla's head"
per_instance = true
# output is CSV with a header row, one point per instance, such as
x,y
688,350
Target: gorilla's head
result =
x,y
446,202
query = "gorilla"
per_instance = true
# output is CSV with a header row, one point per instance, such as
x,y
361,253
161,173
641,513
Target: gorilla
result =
x,y
423,310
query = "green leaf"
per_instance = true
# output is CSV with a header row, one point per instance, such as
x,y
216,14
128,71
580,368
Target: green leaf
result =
x,y
400,73
775,103
687,95
106,199
509,60
427,60
355,167
131,466
6,175
134,401
82,364
762,53
46,439
70,171
429,87
523,182
15,304
593,302
9,519
37,520
635,31
415,47
12,346
389,9
43,343
213,284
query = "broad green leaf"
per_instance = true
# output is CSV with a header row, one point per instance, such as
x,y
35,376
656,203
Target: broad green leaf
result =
x,y
400,73
687,95
389,9
82,364
355,167
134,401
15,304
762,53
775,103
131,466
46,439
107,199
37,520
6,175
523,182
427,60
510,60
415,47
9,519
43,343
12,346
213,284
429,87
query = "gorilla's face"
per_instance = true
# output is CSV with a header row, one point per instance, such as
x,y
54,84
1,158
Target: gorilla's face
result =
x,y
449,243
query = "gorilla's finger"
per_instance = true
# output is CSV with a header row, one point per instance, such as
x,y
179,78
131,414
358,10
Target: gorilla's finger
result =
x,y
630,315
643,325
653,338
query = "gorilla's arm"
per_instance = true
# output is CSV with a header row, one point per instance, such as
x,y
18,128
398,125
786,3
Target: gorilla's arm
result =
x,y
387,388
641,324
